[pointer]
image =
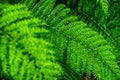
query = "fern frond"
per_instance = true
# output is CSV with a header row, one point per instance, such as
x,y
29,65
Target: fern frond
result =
x,y
83,44
98,14
21,53
95,46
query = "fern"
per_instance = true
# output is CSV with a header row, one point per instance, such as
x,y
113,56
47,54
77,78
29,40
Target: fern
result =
x,y
94,15
22,54
78,33
84,39
98,14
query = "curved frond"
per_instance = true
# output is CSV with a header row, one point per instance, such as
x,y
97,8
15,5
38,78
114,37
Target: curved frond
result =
x,y
21,53
84,36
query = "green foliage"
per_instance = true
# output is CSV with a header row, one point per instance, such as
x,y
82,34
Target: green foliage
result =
x,y
23,55
84,36
100,15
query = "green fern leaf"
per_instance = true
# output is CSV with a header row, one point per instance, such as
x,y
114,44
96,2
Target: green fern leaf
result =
x,y
22,54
